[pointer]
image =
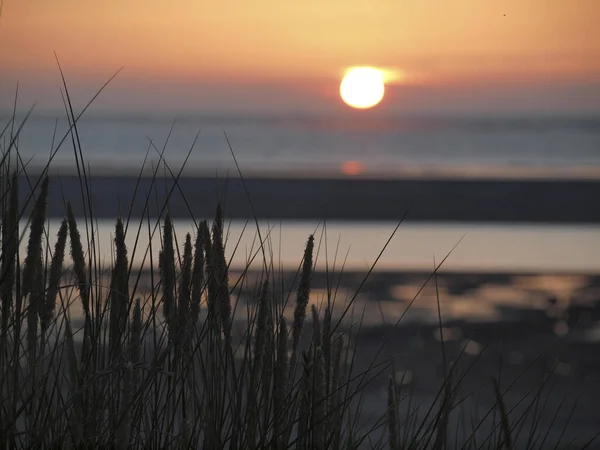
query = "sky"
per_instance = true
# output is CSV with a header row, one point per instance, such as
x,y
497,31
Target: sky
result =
x,y
282,55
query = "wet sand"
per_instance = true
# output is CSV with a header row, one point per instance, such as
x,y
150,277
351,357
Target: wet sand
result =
x,y
518,327
448,200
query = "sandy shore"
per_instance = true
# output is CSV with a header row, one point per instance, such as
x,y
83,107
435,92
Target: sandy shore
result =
x,y
449,200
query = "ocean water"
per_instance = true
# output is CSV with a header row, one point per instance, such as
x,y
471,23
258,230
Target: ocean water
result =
x,y
357,246
323,146
499,146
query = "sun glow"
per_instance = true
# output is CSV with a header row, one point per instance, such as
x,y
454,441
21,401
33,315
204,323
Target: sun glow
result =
x,y
362,87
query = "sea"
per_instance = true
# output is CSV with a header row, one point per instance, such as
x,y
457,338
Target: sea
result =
x,y
484,145
352,145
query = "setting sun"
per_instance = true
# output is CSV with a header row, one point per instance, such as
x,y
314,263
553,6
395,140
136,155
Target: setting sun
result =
x,y
362,87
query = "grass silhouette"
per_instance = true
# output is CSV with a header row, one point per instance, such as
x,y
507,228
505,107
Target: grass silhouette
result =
x,y
184,367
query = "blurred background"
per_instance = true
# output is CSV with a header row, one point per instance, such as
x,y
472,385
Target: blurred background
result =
x,y
491,115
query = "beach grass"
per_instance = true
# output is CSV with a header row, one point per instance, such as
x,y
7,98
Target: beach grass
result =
x,y
88,360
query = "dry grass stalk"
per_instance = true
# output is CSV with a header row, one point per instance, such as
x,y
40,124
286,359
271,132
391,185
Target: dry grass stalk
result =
x,y
197,276
316,342
302,296
33,358
212,306
304,414
392,415
123,433
259,360
334,395
267,370
54,277
119,295
184,292
221,299
319,406
326,345
183,343
78,261
280,384
35,291
262,319
34,245
32,289
135,341
76,413
10,243
167,272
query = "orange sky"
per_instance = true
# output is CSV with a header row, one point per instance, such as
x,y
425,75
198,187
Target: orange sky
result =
x,y
308,43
